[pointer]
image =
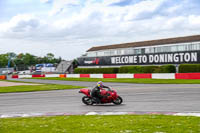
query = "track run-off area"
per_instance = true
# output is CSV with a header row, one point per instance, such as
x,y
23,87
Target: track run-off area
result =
x,y
140,98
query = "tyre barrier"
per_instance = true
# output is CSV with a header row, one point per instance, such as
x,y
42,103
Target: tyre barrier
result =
x,y
137,76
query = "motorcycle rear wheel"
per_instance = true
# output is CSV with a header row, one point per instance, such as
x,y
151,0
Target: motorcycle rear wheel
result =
x,y
87,100
118,101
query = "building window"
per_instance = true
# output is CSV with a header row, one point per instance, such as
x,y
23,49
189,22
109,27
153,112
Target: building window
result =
x,y
194,46
198,46
107,53
147,50
143,51
119,52
166,49
92,54
181,48
100,53
128,51
112,52
173,48
137,51
152,50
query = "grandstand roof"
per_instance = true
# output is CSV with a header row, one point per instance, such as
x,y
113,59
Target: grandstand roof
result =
x,y
185,39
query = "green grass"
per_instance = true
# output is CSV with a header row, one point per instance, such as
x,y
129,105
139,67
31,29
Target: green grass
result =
x,y
139,81
102,124
31,88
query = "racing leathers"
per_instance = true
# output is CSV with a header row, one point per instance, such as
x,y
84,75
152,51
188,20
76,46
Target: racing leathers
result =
x,y
96,93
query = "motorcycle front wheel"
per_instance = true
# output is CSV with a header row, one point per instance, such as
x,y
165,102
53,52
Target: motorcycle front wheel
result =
x,y
118,101
87,100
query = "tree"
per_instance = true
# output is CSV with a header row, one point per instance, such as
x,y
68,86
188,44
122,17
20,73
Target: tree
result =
x,y
23,61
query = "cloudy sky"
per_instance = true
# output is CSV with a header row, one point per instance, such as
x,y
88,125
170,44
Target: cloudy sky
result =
x,y
67,28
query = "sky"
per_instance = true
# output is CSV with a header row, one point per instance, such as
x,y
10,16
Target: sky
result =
x,y
68,28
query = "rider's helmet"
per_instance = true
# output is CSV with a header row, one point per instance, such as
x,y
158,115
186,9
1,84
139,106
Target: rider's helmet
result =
x,y
100,84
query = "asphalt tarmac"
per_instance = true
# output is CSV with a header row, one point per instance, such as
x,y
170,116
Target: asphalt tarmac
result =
x,y
183,98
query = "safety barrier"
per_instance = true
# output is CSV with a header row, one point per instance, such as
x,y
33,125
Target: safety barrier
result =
x,y
144,76
163,76
125,75
187,75
147,75
3,77
109,76
52,75
84,75
96,75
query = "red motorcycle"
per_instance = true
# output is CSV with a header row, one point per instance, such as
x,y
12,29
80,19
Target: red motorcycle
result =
x,y
111,97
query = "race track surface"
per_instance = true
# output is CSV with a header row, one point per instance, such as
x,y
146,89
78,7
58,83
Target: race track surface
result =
x,y
137,97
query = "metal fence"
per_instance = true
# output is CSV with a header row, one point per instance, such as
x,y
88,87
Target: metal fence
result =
x,y
6,70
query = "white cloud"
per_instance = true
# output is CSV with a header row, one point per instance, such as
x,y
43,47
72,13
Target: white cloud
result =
x,y
59,5
20,23
147,6
44,1
95,23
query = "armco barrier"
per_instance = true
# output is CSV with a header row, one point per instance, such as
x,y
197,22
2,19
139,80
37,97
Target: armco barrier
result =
x,y
125,75
84,75
163,76
15,76
62,75
3,77
25,76
153,76
96,75
38,76
109,76
52,75
187,75
73,75
147,75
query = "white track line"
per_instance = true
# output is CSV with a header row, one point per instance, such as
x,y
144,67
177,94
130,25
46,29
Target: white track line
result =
x,y
96,113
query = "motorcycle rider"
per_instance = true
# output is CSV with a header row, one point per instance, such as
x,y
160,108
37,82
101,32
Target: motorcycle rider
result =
x,y
96,91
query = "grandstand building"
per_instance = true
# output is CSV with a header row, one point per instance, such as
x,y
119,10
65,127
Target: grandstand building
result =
x,y
155,52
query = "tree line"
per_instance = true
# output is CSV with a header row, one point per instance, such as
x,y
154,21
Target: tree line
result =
x,y
23,61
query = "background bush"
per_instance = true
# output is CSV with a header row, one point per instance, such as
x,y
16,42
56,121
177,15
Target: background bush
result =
x,y
128,69
188,68
96,70
166,69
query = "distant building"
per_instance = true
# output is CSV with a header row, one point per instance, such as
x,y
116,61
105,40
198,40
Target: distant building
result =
x,y
155,52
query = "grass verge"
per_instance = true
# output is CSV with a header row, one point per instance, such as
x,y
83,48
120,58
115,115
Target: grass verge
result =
x,y
100,124
31,88
139,81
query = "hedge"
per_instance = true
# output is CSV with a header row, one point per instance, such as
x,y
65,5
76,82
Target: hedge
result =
x,y
166,69
137,69
148,69
96,70
128,69
188,68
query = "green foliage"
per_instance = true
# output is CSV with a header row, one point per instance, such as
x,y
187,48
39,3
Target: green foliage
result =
x,y
3,60
148,69
25,60
188,68
100,124
129,69
32,88
96,70
165,69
